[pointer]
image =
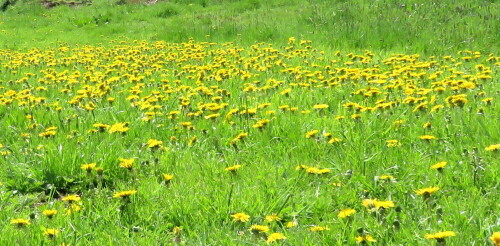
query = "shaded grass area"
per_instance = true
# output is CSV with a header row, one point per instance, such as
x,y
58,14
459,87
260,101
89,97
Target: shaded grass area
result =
x,y
399,26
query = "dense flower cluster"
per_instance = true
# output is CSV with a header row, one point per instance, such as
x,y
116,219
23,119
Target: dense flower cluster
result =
x,y
155,104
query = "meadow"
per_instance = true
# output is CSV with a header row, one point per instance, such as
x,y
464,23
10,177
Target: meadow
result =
x,y
232,123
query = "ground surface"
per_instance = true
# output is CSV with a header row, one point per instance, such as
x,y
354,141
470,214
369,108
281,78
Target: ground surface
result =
x,y
250,122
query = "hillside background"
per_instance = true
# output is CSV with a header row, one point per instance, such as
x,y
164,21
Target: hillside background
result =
x,y
409,26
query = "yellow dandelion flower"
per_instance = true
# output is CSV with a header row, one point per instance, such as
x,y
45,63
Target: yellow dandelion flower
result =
x,y
374,204
315,170
240,217
47,134
420,107
334,140
398,122
311,134
51,233
495,238
365,239
153,143
439,166
344,213
259,229
272,217
320,106
88,167
323,171
167,177
71,198
234,142
92,131
241,135
20,222
284,107
212,116
99,170
436,108
174,113
384,204
487,100
192,140
301,167
261,123
356,116
386,177
427,137
186,124
392,143
457,100
49,213
427,191
312,170
291,224
319,228
127,163
176,230
286,92
440,235
233,168
119,128
74,208
273,237
124,194
493,147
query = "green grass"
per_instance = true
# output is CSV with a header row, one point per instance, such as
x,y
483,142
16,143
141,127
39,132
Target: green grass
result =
x,y
60,67
403,26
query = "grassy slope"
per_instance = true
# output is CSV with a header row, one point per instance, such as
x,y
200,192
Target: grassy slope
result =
x,y
268,178
402,26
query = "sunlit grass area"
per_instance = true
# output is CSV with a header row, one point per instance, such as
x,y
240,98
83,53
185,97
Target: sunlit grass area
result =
x,y
249,123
